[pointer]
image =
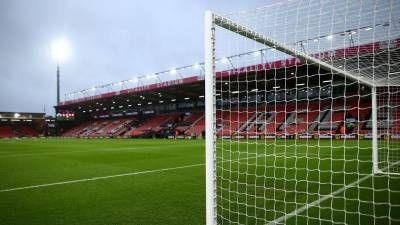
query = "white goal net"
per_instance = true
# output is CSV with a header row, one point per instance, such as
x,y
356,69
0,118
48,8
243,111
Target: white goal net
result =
x,y
303,114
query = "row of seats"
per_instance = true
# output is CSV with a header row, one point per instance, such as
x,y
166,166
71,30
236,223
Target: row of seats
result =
x,y
100,128
19,130
322,117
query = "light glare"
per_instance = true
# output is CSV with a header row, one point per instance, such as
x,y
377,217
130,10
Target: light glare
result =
x,y
60,50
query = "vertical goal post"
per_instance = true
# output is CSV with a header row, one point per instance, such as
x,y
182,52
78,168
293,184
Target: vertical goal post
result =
x,y
232,197
210,117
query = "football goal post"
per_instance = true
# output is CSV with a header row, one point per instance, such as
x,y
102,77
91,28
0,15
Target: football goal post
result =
x,y
303,114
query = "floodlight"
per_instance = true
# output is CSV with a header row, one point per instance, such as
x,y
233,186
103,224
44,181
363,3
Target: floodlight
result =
x,y
60,50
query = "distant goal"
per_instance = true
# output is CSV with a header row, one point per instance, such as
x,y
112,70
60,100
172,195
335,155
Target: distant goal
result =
x,y
303,114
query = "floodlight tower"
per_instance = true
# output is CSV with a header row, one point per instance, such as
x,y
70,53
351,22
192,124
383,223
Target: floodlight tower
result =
x,y
59,51
58,83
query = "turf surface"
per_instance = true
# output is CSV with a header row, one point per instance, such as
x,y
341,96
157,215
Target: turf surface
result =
x,y
162,182
264,181
160,197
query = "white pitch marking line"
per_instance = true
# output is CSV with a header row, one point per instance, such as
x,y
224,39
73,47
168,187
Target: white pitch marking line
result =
x,y
324,198
68,152
98,178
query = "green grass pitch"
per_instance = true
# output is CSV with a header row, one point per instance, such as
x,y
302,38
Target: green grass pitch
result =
x,y
163,197
107,181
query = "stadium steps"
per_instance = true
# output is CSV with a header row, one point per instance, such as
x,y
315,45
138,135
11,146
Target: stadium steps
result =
x,y
249,123
197,127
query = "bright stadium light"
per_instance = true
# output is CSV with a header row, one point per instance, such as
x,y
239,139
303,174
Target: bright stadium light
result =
x,y
60,50
196,66
173,71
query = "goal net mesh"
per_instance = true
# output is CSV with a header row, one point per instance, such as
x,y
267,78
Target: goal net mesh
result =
x,y
294,121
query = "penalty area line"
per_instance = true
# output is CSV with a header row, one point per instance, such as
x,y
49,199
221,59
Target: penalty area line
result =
x,y
98,178
300,210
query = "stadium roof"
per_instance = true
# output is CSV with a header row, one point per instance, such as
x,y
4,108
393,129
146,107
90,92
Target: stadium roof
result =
x,y
356,59
21,115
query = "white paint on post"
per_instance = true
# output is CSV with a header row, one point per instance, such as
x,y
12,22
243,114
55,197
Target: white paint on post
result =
x,y
210,118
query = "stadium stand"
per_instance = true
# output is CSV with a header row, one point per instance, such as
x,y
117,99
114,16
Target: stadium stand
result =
x,y
279,119
176,115
13,124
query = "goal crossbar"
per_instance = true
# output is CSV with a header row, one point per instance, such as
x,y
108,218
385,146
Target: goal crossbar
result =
x,y
262,39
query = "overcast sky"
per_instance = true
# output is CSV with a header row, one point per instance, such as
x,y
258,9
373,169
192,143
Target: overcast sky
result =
x,y
110,41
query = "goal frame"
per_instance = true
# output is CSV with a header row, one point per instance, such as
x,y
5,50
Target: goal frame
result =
x,y
212,20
